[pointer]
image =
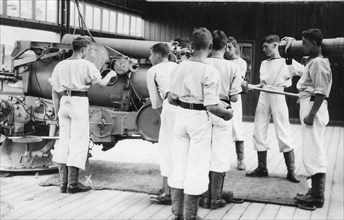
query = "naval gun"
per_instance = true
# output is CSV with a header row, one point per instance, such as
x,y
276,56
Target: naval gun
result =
x,y
27,122
330,47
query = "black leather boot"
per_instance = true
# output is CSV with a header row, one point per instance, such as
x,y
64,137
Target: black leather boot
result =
x,y
191,207
177,196
74,186
261,170
239,147
289,158
63,175
316,197
165,197
216,180
204,201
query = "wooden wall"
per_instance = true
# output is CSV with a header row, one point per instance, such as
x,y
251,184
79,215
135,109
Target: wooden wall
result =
x,y
252,21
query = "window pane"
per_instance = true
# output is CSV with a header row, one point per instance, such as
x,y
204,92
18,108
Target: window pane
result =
x,y
52,11
120,23
105,25
81,7
72,14
138,26
132,25
126,24
40,10
12,7
26,9
113,22
96,18
89,16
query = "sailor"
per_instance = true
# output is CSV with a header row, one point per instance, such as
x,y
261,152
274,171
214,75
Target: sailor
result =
x,y
71,80
195,88
158,84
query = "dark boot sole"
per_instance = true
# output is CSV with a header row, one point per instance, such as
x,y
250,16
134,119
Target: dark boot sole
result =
x,y
292,178
257,175
72,191
215,204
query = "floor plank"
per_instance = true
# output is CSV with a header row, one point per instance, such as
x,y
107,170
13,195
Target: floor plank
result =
x,y
254,211
269,212
236,211
148,212
24,199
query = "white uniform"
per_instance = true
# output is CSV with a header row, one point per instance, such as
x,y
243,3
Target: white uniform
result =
x,y
199,83
274,74
75,75
316,79
158,83
230,85
237,125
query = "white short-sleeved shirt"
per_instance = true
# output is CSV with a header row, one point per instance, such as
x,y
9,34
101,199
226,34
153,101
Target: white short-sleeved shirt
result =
x,y
242,65
195,82
275,72
74,74
158,82
229,77
316,78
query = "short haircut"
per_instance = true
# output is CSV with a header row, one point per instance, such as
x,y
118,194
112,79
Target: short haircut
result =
x,y
219,40
313,35
183,42
231,40
161,48
201,39
79,43
272,38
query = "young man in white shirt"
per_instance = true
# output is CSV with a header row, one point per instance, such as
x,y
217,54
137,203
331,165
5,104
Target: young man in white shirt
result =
x,y
158,84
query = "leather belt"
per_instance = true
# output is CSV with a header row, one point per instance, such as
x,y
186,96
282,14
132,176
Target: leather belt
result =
x,y
313,98
75,93
191,106
227,101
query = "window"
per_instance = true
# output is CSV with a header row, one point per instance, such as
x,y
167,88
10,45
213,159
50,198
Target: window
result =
x,y
26,9
13,8
41,10
126,24
96,18
133,25
120,23
139,25
113,21
51,11
89,16
81,8
105,20
72,14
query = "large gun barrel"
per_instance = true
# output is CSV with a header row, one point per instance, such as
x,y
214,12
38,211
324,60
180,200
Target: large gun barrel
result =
x,y
330,47
129,47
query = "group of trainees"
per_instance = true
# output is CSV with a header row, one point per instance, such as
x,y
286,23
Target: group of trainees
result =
x,y
199,101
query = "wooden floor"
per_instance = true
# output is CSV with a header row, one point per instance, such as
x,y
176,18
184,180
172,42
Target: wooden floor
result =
x,y
22,198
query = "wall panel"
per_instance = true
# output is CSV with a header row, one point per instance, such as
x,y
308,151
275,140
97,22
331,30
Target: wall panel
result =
x,y
252,21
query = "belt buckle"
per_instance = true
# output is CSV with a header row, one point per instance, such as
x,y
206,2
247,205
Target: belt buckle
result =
x,y
191,106
69,92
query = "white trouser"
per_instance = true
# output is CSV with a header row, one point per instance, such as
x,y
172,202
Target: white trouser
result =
x,y
220,145
166,137
72,147
191,151
313,152
275,105
237,125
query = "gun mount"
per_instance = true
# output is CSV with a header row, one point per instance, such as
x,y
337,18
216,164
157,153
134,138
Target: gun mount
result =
x,y
27,122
